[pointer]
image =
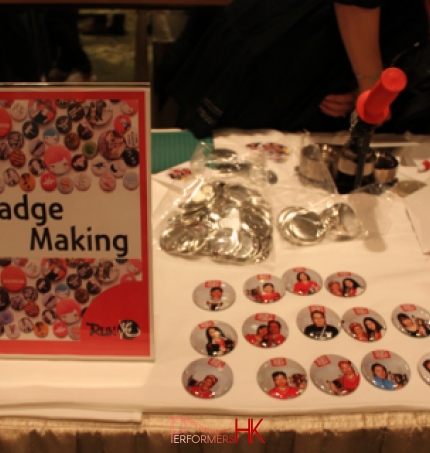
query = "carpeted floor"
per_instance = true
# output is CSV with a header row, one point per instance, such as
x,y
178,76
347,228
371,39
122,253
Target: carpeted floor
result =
x,y
112,57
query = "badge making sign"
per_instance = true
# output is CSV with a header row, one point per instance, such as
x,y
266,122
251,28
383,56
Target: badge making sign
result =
x,y
74,222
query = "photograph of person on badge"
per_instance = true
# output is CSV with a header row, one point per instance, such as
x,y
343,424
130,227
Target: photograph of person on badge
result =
x,y
216,298
260,338
381,378
275,337
305,285
319,329
282,389
358,332
217,343
373,328
335,288
266,295
202,389
347,382
412,326
351,287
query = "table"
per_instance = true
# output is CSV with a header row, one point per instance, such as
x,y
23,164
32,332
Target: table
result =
x,y
50,427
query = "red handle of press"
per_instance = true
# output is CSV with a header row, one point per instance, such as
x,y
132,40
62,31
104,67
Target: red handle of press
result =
x,y
373,106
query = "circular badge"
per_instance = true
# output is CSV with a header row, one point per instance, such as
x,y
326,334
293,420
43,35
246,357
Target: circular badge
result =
x,y
82,181
107,182
345,284
62,290
117,168
214,295
4,151
36,166
207,378
11,177
30,129
68,311
318,322
130,180
57,159
129,106
51,136
13,278
106,271
15,139
75,111
64,124
335,375
82,295
42,111
54,268
122,123
412,320
89,149
36,147
49,316
282,378
424,367
74,332
43,285
48,182
79,162
30,293
265,330
302,281
41,329
74,281
27,182
60,329
131,157
65,184
17,158
98,112
6,317
93,287
85,130
26,325
99,166
132,139
72,141
85,270
385,370
50,301
17,302
264,288
363,324
12,331
18,110
111,144
31,309
213,338
32,269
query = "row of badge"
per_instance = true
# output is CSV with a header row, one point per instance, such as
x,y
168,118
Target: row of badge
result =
x,y
266,288
283,378
267,330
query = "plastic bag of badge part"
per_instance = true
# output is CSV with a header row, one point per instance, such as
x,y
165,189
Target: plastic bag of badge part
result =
x,y
223,213
308,209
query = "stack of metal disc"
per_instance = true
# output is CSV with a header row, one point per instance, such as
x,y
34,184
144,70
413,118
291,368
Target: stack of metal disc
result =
x,y
228,222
